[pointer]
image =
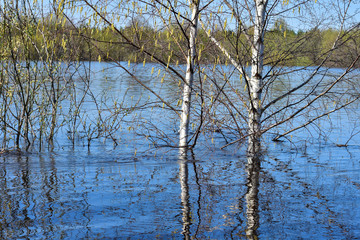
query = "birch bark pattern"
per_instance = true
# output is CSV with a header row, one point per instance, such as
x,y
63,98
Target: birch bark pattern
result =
x,y
189,77
256,80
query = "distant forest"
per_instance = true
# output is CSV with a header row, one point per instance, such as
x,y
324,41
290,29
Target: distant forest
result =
x,y
67,42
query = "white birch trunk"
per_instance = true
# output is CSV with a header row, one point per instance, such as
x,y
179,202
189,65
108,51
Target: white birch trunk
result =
x,y
256,80
186,103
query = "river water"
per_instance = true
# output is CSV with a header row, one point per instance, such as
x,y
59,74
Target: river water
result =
x,y
306,189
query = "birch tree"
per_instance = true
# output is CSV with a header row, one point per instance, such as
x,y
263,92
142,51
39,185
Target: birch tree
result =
x,y
267,96
189,78
297,103
256,79
174,24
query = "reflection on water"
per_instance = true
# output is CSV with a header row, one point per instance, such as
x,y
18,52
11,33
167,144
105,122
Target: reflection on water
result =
x,y
184,178
252,201
105,194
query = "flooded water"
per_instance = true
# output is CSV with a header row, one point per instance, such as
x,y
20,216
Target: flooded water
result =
x,y
306,189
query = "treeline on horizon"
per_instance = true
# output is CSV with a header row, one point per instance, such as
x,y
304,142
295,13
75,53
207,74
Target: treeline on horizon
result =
x,y
63,41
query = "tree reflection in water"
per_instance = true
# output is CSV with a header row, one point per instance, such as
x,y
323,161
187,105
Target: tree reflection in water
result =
x,y
252,201
184,177
251,197
77,195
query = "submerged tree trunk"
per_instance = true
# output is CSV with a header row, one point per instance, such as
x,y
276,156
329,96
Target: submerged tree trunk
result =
x,y
186,103
256,79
